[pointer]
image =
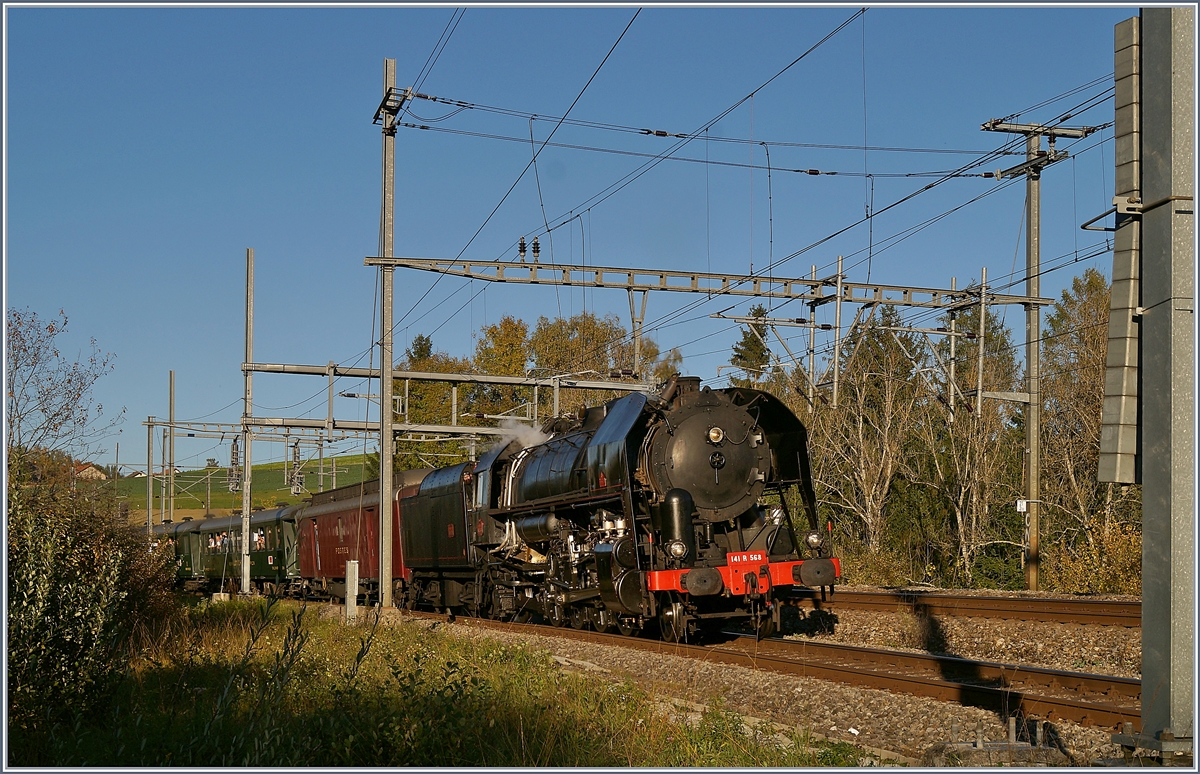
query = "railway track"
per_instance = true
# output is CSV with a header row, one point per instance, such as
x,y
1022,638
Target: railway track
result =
x,y
1088,699
1098,612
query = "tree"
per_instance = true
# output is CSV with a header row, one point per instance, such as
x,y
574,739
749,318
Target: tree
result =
x,y
974,462
49,397
860,446
428,403
1077,508
583,344
80,580
503,349
751,352
668,365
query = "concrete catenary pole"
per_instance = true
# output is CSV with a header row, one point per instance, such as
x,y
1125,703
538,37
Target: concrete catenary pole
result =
x,y
1033,327
1168,387
171,457
1035,161
385,343
247,413
837,334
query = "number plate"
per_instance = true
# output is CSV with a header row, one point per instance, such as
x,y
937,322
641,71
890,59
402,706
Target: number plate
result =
x,y
746,557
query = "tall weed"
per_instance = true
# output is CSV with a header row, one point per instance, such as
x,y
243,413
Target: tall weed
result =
x,y
267,688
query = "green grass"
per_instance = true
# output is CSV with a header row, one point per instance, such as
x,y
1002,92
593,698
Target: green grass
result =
x,y
193,488
232,685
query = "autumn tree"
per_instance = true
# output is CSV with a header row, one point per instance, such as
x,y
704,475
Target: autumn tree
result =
x,y
503,349
591,346
427,403
1085,523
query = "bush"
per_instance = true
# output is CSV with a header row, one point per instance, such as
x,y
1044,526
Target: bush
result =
x,y
1112,564
883,568
80,584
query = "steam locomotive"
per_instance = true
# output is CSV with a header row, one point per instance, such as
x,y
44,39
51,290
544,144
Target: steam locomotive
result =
x,y
667,511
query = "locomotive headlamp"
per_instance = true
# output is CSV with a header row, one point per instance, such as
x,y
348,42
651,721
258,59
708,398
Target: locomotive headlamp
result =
x,y
814,540
716,435
677,549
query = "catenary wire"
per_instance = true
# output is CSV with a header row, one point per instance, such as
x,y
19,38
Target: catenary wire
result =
x,y
645,155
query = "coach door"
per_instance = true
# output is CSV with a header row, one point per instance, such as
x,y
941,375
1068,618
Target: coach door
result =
x,y
291,554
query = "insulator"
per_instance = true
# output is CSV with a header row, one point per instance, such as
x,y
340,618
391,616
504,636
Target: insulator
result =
x,y
521,248
537,249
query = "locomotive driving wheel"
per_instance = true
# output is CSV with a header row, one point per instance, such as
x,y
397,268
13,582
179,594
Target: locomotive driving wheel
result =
x,y
579,617
602,619
628,626
672,620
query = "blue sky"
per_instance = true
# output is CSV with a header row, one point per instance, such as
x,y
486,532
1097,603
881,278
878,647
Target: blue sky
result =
x,y
147,148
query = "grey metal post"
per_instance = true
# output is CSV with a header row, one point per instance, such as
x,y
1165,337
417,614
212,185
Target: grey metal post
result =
x,y
837,339
953,340
812,351
328,427
1033,334
636,321
162,482
556,385
1168,358
351,591
287,460
386,438
982,335
453,404
171,470
149,474
247,412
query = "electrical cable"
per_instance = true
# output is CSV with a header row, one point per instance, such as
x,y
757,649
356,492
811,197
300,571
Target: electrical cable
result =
x,y
688,159
1064,95
622,182
551,135
526,169
525,115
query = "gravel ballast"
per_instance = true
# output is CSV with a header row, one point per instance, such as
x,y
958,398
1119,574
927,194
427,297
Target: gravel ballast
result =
x,y
912,728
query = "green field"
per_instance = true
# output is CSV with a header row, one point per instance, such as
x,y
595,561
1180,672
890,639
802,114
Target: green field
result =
x,y
208,488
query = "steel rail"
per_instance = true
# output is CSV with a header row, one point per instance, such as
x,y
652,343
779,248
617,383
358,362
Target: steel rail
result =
x,y
1103,612
1005,688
